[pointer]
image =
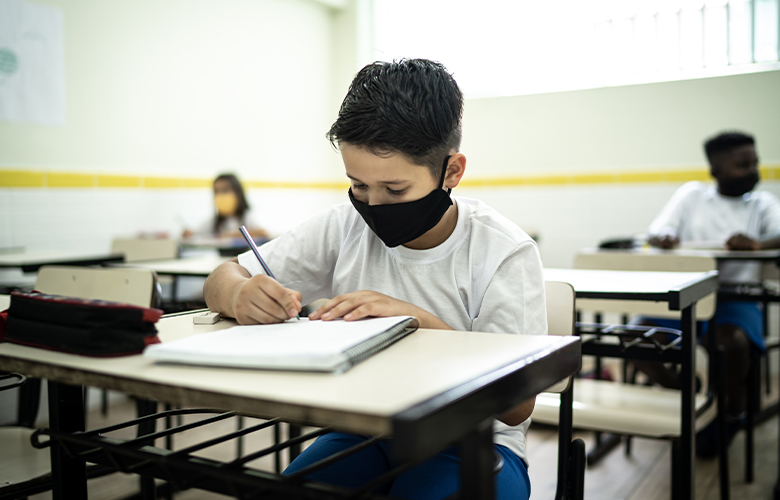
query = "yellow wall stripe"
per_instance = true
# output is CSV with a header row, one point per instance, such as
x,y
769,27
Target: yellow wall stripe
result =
x,y
36,179
21,178
118,181
68,180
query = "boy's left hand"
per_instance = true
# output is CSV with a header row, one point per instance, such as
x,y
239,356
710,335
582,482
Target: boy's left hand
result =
x,y
740,241
365,303
362,304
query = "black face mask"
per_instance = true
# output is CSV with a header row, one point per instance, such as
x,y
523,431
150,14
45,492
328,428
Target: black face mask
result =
x,y
737,186
401,223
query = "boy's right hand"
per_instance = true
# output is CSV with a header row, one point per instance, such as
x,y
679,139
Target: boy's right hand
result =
x,y
667,242
261,299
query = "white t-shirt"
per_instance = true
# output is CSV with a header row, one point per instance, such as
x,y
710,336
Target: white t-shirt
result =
x,y
487,276
229,224
698,213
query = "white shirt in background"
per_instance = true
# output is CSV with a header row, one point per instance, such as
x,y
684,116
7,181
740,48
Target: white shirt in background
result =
x,y
487,276
698,213
229,224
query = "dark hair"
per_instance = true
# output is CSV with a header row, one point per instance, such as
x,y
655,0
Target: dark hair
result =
x,y
242,205
724,142
412,107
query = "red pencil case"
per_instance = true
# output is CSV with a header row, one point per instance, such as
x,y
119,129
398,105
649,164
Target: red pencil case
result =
x,y
78,326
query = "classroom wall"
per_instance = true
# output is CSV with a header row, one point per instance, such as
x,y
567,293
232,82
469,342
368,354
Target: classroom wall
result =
x,y
184,89
172,89
639,129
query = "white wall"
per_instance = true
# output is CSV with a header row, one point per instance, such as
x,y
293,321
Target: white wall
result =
x,y
176,88
188,87
660,125
195,87
609,130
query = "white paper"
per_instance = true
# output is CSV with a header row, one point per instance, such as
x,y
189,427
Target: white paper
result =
x,y
32,68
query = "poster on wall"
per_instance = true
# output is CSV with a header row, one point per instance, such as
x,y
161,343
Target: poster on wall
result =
x,y
32,68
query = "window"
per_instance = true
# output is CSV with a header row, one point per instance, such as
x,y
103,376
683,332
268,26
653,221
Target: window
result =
x,y
504,47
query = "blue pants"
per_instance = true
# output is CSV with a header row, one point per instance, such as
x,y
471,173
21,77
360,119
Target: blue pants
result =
x,y
436,478
746,316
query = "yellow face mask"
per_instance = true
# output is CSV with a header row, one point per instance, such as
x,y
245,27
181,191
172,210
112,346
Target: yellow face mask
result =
x,y
226,204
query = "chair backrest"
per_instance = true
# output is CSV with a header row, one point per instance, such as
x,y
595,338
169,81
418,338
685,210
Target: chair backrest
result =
x,y
631,261
129,285
140,249
559,297
560,307
770,271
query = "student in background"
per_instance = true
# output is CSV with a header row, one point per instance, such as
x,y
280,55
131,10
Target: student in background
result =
x,y
231,212
401,246
731,213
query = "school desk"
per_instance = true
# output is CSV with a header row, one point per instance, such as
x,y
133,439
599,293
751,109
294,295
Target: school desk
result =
x,y
751,292
227,247
432,389
200,266
681,291
31,261
721,255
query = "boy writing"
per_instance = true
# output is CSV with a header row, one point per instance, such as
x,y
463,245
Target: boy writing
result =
x,y
731,213
401,246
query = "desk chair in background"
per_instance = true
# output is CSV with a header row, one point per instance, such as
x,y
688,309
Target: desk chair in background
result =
x,y
141,249
23,470
705,311
767,293
559,297
129,285
623,409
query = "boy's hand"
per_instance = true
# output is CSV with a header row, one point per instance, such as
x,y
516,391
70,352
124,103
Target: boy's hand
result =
x,y
261,299
365,303
740,241
362,304
666,242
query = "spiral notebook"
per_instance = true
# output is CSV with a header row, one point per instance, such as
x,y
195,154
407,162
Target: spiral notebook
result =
x,y
326,346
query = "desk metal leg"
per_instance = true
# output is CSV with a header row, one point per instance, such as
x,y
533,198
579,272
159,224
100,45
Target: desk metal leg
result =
x,y
147,407
685,486
66,413
477,459
777,482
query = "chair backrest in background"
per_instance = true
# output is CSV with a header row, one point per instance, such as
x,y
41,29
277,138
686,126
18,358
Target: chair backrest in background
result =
x,y
630,261
560,317
140,249
129,285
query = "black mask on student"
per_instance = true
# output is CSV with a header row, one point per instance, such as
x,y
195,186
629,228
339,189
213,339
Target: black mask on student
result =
x,y
737,186
401,223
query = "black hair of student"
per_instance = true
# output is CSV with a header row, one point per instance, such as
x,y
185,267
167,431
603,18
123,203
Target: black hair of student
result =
x,y
724,142
241,207
413,107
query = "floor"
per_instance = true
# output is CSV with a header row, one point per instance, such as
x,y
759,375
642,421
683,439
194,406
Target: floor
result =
x,y
644,475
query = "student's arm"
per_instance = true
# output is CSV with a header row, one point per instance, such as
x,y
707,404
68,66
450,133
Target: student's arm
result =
x,y
365,303
663,231
741,241
769,213
519,413
231,291
770,241
514,303
666,241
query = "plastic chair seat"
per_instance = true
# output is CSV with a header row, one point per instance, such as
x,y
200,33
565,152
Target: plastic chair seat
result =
x,y
25,461
636,410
